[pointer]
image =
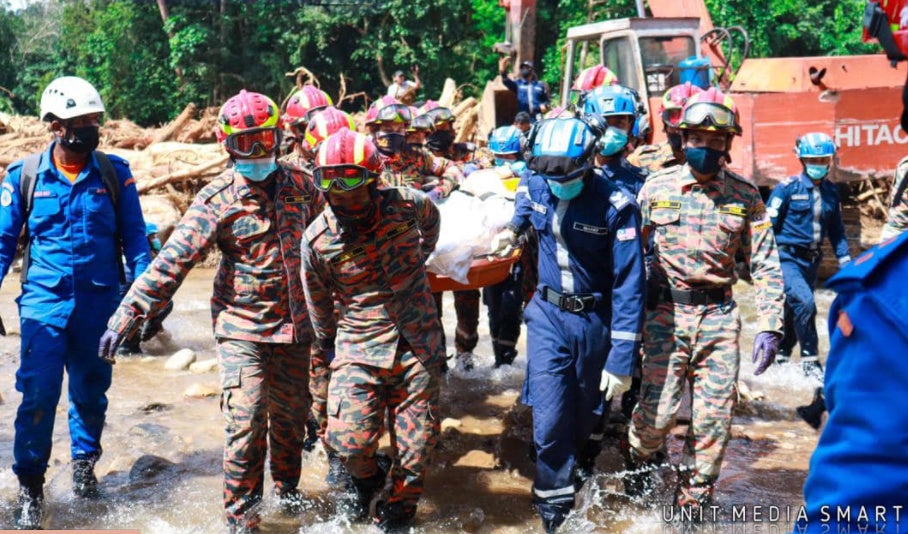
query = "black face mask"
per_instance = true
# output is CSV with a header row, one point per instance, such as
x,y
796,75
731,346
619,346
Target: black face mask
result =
x,y
525,73
83,140
361,220
390,142
674,140
440,140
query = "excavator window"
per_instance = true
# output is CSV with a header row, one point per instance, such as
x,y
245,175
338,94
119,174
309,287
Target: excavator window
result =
x,y
660,57
618,56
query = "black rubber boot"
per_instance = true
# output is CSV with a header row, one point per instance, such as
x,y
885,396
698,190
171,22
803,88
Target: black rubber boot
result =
x,y
553,516
394,517
85,484
639,481
354,503
311,434
30,503
813,412
337,477
630,398
290,501
130,347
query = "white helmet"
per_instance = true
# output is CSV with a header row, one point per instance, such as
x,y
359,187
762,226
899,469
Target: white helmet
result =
x,y
68,97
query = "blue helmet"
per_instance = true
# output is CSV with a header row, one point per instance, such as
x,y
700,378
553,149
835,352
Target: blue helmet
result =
x,y
815,145
505,140
609,100
561,147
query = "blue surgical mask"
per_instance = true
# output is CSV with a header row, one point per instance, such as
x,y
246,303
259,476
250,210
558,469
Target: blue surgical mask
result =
x,y
566,190
704,160
518,167
613,141
256,170
816,172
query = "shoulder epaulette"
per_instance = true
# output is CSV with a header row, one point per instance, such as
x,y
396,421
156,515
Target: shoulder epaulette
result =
x,y
217,185
619,199
318,227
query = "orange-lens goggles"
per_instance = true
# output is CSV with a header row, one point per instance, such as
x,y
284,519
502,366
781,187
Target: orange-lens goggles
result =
x,y
699,113
345,177
672,117
254,142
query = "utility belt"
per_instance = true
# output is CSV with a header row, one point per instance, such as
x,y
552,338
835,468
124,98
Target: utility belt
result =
x,y
572,302
804,253
690,297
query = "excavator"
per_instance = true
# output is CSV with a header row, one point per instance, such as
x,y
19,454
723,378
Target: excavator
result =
x,y
857,99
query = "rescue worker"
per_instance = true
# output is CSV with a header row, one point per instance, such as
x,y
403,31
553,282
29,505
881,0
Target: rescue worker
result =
x,y
584,321
295,116
616,112
805,209
388,121
532,95
368,249
669,153
255,213
77,229
698,216
860,462
505,299
589,79
897,219
523,123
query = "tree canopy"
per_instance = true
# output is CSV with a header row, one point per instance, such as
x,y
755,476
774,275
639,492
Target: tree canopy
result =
x,y
150,59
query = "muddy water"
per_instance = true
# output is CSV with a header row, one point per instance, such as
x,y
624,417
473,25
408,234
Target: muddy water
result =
x,y
161,468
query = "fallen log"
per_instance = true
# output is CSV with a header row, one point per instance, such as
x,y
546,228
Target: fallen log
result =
x,y
448,94
171,130
179,176
464,106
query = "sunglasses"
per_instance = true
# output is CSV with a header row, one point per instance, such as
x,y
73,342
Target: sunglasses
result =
x,y
254,142
394,113
701,112
345,177
672,117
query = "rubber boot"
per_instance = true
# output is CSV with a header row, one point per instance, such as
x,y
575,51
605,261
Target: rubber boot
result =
x,y
130,347
639,479
290,501
311,434
813,369
813,412
337,477
354,503
30,503
85,484
692,498
394,517
630,398
552,515
466,360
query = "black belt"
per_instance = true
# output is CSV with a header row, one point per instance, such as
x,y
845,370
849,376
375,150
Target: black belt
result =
x,y
801,252
574,302
697,297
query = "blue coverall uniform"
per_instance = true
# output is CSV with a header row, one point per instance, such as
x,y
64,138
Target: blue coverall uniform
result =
x,y
591,261
803,214
860,461
531,94
627,176
72,288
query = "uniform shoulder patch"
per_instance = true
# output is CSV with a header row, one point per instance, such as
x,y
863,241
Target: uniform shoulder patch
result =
x,y
316,228
217,185
619,199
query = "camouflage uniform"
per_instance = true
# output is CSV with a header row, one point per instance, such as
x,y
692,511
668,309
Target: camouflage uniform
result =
x,y
417,167
654,158
387,341
692,323
260,320
898,203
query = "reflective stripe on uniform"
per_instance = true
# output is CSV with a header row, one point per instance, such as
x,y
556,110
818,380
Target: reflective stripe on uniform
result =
x,y
626,336
564,263
560,492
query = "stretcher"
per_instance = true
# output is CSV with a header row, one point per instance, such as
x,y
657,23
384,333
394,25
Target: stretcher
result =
x,y
484,271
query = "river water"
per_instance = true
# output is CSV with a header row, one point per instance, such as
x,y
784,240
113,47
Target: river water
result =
x,y
161,468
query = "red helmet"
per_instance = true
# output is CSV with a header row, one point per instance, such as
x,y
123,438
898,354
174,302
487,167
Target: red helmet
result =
x,y
256,117
372,113
711,110
326,122
303,102
593,77
346,160
673,102
436,113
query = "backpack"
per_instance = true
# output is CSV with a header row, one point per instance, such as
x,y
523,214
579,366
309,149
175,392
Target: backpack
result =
x,y
28,177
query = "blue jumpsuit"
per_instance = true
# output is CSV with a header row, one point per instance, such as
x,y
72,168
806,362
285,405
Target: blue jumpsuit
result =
x,y
72,289
801,219
631,178
531,94
589,247
861,459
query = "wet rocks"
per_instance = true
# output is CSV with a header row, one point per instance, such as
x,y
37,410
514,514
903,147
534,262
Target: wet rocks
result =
x,y
477,458
204,366
200,391
181,360
148,467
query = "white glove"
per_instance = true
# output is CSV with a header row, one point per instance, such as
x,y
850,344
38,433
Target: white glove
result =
x,y
503,242
613,385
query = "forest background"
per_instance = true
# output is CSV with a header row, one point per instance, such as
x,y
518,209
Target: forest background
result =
x,y
150,58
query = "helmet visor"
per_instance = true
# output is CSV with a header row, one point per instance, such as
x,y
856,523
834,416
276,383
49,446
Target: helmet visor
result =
x,y
439,115
254,142
672,117
708,114
345,177
394,113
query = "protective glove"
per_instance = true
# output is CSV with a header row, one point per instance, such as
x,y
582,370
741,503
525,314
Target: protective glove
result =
x,y
614,385
436,194
107,348
766,344
503,242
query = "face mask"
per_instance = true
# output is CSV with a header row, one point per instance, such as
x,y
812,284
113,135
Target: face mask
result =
x,y
256,170
360,219
566,190
81,140
390,142
440,141
518,167
704,160
613,142
525,72
674,141
816,172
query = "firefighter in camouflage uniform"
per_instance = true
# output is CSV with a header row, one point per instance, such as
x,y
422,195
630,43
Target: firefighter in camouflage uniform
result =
x,y
670,153
298,111
368,249
255,214
699,215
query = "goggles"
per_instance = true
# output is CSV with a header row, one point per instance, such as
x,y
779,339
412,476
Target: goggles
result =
x,y
672,117
254,142
699,113
437,115
394,113
345,177
422,122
